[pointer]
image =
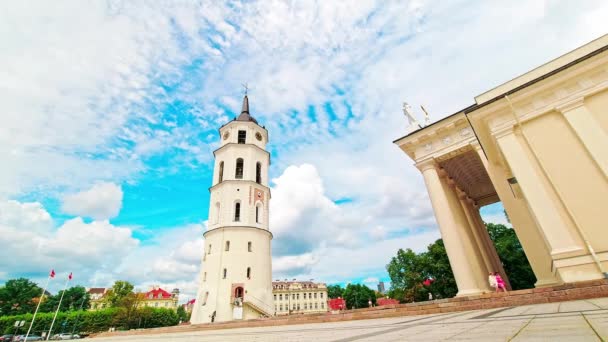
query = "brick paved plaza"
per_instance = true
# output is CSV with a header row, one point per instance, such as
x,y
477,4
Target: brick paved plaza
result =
x,y
581,320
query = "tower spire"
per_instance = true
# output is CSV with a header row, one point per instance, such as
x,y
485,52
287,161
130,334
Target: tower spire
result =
x,y
245,108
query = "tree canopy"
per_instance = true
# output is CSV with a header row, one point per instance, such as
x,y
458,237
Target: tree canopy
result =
x,y
409,270
75,298
334,291
19,296
358,296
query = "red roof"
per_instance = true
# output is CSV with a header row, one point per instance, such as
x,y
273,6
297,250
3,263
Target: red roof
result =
x,y
97,290
156,292
386,301
190,301
336,304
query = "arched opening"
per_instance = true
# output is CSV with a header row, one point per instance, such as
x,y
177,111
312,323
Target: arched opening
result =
x,y
249,246
242,137
227,246
258,213
238,292
237,211
248,272
221,172
225,273
258,173
239,169
217,212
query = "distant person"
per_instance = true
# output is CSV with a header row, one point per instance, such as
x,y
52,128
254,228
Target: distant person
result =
x,y
492,281
500,283
430,296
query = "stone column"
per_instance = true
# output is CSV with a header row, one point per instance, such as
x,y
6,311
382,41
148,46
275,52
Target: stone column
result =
x,y
588,131
455,231
528,233
484,243
545,207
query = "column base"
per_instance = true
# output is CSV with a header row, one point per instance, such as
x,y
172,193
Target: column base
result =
x,y
547,282
470,292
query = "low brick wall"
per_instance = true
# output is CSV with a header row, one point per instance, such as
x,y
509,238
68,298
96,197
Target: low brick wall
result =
x,y
561,293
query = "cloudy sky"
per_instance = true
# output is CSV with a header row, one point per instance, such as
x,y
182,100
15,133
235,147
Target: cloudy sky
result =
x,y
110,112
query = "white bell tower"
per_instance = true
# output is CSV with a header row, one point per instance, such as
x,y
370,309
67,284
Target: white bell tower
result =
x,y
236,272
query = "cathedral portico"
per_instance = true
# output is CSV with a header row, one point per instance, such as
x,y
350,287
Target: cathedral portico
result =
x,y
537,144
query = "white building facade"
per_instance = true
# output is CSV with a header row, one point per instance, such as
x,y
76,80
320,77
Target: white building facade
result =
x,y
236,275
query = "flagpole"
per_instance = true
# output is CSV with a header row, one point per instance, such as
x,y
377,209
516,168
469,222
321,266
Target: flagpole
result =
x,y
58,306
38,306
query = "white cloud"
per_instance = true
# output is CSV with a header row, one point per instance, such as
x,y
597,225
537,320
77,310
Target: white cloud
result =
x,y
102,201
31,245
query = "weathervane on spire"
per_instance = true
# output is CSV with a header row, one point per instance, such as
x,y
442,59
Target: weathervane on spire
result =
x,y
246,88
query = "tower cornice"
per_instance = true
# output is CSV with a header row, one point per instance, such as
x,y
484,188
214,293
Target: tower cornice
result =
x,y
242,181
235,144
218,229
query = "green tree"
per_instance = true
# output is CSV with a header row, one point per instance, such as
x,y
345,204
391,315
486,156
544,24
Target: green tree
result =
x,y
74,298
120,294
182,314
512,255
19,296
358,296
334,291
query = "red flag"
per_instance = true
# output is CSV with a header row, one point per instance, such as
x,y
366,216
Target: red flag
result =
x,y
70,276
52,274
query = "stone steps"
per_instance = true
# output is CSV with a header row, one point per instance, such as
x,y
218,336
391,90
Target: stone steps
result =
x,y
560,293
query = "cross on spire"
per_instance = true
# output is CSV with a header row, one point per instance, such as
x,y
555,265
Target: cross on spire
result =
x,y
246,88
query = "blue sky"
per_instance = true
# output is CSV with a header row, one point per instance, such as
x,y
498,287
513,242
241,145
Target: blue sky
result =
x,y
111,109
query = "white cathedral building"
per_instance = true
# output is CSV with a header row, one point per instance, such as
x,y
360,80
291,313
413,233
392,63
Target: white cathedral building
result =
x,y
236,275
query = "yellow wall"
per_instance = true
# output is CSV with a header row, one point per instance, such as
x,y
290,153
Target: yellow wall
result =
x,y
577,180
598,106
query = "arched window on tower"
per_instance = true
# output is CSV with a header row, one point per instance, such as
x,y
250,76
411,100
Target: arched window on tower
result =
x,y
217,212
249,246
221,172
248,272
227,246
239,169
258,173
225,273
237,211
258,213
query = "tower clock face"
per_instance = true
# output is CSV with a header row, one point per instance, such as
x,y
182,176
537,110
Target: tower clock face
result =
x,y
258,136
226,135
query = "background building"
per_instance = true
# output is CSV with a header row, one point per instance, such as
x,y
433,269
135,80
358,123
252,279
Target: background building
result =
x,y
236,272
291,297
381,287
96,297
159,298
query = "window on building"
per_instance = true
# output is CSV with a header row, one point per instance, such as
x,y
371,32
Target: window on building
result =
x,y
275,297
322,305
280,297
298,296
315,295
321,295
217,212
293,307
151,296
205,276
237,211
316,305
248,272
258,173
209,250
221,172
249,246
304,295
281,307
258,213
156,304
242,137
298,307
305,306
205,298
225,273
239,169
166,304
293,296
227,246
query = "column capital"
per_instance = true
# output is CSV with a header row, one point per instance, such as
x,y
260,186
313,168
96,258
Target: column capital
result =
x,y
570,105
427,164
